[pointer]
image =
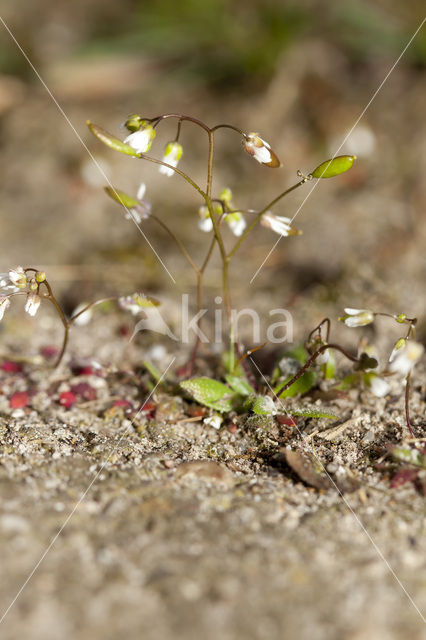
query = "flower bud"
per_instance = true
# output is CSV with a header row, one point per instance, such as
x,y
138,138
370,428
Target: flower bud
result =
x,y
134,122
40,276
33,286
357,317
236,223
205,222
141,140
32,303
18,277
136,303
378,386
111,141
172,154
333,167
405,357
279,224
260,150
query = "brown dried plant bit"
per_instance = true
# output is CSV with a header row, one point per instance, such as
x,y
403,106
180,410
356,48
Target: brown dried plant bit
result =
x,y
260,150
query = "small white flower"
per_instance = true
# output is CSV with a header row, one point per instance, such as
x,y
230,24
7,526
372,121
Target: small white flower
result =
x,y
406,357
323,357
85,317
399,345
4,305
140,211
134,303
236,223
379,386
357,317
279,224
32,303
172,154
205,222
260,150
18,277
213,421
141,191
141,140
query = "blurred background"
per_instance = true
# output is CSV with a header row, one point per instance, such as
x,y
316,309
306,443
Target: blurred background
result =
x,y
300,73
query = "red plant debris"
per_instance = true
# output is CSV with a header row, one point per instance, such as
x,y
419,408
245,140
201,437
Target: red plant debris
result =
x,y
10,367
49,352
84,391
19,400
287,421
67,399
149,409
403,476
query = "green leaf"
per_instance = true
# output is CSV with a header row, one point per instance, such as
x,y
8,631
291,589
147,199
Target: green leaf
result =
x,y
409,455
349,381
209,392
111,141
262,405
302,385
312,413
333,167
239,385
298,352
329,367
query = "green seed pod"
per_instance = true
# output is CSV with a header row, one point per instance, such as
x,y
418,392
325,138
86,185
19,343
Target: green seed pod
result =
x,y
333,167
111,141
134,122
122,198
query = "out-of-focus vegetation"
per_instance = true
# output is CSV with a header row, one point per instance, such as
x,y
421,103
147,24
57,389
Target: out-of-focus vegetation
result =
x,y
221,43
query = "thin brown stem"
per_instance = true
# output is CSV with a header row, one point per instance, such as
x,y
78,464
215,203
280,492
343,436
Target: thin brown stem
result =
x,y
311,361
178,242
64,321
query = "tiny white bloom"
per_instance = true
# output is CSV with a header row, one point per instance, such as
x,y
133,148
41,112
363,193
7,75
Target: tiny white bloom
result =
x,y
357,317
141,191
260,150
279,224
406,357
135,303
236,223
205,222
323,357
172,154
141,140
213,421
18,277
399,345
4,305
379,386
141,211
32,303
85,317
